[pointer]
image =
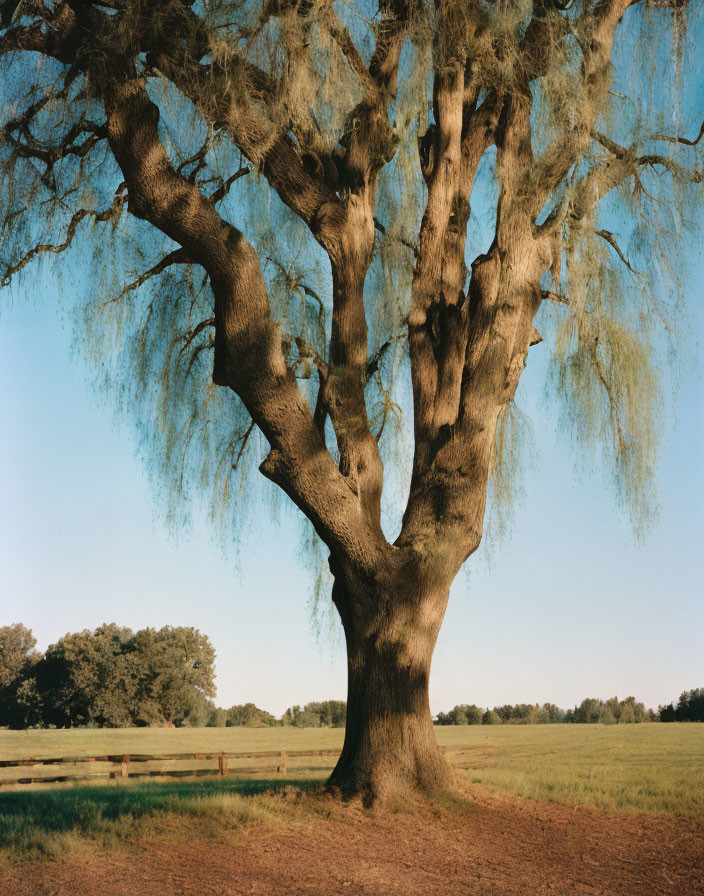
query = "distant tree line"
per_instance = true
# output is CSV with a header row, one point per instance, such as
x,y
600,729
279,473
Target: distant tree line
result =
x,y
114,677
110,677
690,708
591,710
324,714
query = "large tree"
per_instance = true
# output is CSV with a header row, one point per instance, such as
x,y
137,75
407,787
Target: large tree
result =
x,y
112,677
347,141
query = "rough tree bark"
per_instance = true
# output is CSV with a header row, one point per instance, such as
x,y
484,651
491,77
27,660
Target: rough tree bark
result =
x,y
391,625
468,342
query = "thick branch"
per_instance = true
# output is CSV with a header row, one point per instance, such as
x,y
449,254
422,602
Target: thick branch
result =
x,y
274,154
248,356
367,144
434,285
568,146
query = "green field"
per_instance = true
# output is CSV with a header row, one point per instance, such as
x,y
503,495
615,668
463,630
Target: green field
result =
x,y
651,767
98,741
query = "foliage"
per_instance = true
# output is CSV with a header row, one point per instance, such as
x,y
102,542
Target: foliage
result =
x,y
325,714
611,711
175,671
463,714
17,645
590,711
249,716
302,74
215,717
690,708
112,677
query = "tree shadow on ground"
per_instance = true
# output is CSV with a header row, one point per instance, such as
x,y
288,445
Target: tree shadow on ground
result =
x,y
83,808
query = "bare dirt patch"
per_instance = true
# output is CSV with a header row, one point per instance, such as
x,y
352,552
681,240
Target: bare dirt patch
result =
x,y
494,847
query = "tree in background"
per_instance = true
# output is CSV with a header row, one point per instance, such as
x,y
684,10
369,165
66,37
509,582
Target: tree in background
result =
x,y
300,718
690,708
19,700
215,717
250,716
17,645
554,713
85,678
175,671
331,713
463,714
111,677
591,710
609,712
353,144
588,711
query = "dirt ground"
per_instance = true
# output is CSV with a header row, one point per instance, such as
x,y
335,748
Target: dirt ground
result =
x,y
494,847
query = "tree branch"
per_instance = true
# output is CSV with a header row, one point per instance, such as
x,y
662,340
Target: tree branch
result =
x,y
548,295
598,29
178,256
248,355
611,240
340,34
273,153
114,211
682,140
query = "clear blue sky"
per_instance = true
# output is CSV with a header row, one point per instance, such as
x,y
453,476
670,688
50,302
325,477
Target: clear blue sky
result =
x,y
568,606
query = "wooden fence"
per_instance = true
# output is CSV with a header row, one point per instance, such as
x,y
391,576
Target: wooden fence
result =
x,y
126,765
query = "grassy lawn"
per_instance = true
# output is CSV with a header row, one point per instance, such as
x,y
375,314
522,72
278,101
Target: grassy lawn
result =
x,y
56,821
101,741
652,768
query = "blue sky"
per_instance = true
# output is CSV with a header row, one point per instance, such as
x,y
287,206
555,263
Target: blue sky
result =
x,y
567,606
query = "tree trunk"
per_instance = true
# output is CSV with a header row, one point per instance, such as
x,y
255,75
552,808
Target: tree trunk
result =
x,y
390,747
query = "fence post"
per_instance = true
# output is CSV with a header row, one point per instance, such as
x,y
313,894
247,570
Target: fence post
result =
x,y
222,764
282,762
125,771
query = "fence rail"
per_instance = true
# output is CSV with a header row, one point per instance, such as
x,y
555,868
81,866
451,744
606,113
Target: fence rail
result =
x,y
126,765
134,765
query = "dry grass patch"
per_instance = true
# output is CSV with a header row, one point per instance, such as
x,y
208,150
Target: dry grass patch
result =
x,y
78,820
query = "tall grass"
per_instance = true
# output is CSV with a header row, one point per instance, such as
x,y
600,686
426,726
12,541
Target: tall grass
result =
x,y
50,822
647,768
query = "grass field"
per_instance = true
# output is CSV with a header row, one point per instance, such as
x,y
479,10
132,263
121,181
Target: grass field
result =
x,y
652,768
98,741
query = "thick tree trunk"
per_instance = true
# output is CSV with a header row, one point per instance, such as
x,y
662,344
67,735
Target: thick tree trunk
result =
x,y
390,747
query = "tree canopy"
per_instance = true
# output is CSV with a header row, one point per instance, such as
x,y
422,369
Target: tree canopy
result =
x,y
112,677
274,114
17,645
